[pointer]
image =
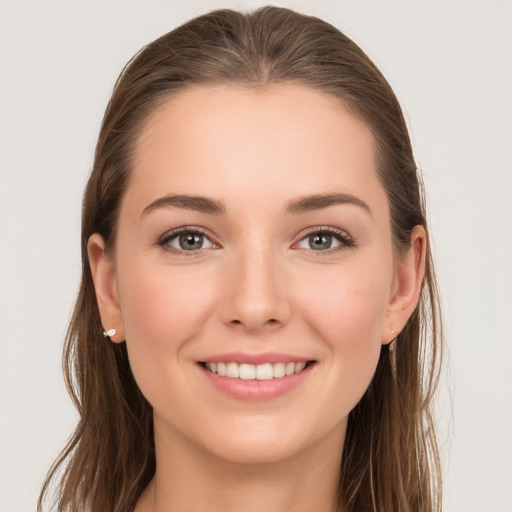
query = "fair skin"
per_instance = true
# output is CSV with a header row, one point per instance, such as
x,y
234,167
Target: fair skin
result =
x,y
260,276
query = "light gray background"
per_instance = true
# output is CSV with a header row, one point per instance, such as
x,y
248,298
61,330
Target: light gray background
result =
x,y
450,65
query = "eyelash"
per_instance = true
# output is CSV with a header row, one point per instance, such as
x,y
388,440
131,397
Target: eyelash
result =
x,y
346,241
164,240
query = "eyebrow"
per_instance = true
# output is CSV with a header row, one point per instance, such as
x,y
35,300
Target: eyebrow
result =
x,y
297,206
319,201
188,202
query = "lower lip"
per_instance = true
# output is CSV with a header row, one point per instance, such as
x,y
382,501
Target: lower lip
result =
x,y
256,389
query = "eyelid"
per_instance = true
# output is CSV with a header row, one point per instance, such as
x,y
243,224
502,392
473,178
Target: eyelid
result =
x,y
342,236
163,240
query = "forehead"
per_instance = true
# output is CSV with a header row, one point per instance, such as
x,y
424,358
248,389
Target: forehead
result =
x,y
226,140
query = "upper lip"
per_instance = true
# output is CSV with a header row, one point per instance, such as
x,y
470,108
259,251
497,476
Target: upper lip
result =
x,y
254,358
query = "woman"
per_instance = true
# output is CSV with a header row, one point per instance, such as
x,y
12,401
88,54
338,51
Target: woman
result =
x,y
257,323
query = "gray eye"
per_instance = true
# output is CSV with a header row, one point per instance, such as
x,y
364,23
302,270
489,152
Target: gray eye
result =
x,y
191,241
320,241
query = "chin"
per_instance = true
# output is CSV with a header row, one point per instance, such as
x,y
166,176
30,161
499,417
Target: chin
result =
x,y
263,441
254,450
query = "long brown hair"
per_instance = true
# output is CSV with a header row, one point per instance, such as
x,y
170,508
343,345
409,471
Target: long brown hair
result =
x,y
390,460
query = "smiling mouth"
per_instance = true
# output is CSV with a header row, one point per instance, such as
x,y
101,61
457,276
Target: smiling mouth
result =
x,y
245,371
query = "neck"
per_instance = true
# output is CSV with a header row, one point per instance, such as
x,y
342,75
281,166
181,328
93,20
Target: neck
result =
x,y
192,479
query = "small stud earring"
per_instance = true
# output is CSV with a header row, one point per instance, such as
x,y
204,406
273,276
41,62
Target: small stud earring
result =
x,y
109,333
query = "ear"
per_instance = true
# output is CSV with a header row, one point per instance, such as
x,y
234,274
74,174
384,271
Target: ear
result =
x,y
105,285
407,286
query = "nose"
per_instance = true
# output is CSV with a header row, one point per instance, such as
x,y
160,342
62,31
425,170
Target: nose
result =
x,y
254,292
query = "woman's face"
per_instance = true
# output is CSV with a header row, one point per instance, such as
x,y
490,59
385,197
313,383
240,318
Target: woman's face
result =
x,y
254,235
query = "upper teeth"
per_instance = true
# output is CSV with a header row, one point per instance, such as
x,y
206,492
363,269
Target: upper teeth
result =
x,y
259,371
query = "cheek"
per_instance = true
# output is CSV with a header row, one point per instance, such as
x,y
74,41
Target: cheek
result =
x,y
346,309
347,306
158,308
162,310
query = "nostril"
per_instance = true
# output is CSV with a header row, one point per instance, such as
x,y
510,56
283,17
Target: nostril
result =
x,y
270,321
